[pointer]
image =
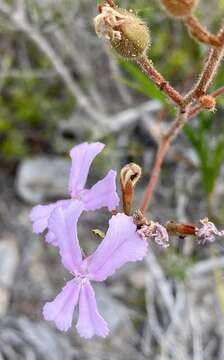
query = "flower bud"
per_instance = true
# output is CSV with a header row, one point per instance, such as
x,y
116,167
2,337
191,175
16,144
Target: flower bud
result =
x,y
180,8
207,102
129,176
128,34
135,38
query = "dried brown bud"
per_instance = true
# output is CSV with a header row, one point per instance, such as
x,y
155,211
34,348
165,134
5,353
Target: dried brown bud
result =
x,y
128,34
130,173
180,8
129,176
207,102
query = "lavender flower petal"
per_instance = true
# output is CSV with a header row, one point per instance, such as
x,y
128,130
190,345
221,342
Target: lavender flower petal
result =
x,y
90,322
40,214
82,156
51,238
61,309
102,194
63,224
120,245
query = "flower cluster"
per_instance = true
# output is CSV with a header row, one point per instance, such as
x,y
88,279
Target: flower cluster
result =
x,y
121,244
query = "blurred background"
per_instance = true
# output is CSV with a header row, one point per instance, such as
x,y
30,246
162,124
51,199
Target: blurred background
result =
x,y
60,85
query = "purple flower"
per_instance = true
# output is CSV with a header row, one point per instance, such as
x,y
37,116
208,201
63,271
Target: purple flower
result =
x,y
120,245
154,231
102,194
207,232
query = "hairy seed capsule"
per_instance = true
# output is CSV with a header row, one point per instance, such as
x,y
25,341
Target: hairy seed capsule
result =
x,y
127,34
135,37
180,8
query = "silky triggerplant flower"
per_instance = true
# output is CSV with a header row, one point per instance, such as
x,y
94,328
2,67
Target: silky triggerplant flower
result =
x,y
102,194
121,244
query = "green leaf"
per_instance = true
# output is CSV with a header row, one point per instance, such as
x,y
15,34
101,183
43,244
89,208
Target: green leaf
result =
x,y
14,147
210,157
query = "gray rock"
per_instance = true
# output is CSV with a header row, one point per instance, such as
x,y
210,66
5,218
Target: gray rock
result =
x,y
4,300
22,339
9,258
42,178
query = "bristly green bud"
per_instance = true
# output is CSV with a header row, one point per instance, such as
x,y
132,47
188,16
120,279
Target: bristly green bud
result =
x,y
135,37
180,8
127,33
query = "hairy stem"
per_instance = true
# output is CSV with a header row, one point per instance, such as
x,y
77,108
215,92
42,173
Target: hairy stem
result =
x,y
208,72
198,31
148,67
161,153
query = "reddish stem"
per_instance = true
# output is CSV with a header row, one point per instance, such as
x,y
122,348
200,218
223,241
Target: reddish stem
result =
x,y
161,153
148,67
200,32
163,148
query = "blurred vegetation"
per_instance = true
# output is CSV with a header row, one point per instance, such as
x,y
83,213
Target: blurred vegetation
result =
x,y
206,137
29,109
